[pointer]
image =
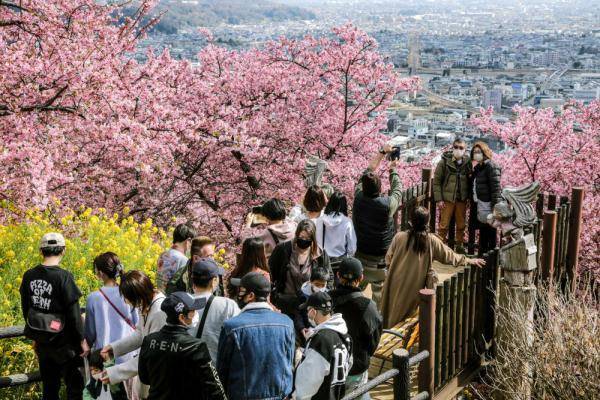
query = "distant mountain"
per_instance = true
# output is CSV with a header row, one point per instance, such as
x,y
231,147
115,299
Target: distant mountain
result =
x,y
185,14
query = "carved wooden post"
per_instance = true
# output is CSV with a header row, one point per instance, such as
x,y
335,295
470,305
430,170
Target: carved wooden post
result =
x,y
517,296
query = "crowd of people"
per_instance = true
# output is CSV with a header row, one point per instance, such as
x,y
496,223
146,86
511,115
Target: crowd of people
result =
x,y
290,320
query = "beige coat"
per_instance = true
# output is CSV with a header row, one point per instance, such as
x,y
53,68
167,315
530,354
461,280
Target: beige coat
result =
x,y
407,274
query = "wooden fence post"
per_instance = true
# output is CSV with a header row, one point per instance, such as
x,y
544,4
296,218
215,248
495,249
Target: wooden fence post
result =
x,y
548,244
427,176
516,305
402,380
577,195
427,339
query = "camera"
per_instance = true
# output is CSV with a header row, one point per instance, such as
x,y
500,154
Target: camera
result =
x,y
394,154
257,217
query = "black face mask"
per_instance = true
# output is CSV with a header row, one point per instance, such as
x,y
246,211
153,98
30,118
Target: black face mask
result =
x,y
240,301
303,243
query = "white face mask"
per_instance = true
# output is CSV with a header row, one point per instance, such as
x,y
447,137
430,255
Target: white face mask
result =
x,y
458,153
312,322
97,376
316,289
477,157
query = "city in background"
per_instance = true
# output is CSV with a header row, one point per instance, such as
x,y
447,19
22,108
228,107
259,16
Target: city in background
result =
x,y
468,54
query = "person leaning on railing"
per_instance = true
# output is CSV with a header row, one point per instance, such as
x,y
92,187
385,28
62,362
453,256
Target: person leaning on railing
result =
x,y
410,267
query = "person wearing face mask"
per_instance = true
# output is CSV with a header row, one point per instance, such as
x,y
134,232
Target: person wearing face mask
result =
x,y
291,264
487,192
362,318
256,347
139,292
317,283
327,359
208,321
174,363
451,190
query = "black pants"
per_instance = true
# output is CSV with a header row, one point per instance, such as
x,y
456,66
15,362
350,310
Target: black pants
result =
x,y
52,372
487,238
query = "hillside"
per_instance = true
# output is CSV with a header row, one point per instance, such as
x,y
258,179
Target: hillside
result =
x,y
193,13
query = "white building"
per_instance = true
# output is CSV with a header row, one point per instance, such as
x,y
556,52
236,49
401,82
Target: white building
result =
x,y
554,104
586,95
418,127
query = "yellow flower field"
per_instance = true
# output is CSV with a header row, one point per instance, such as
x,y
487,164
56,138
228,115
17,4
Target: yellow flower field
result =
x,y
88,233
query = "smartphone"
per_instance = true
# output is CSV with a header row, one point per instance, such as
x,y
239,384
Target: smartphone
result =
x,y
395,154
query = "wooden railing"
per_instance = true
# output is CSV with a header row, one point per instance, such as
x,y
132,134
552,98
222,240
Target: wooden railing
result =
x,y
558,236
400,372
16,379
465,324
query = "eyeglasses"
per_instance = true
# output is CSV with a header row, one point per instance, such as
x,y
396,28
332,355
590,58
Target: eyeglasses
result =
x,y
459,147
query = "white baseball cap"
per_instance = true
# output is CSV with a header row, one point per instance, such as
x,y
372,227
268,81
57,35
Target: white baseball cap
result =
x,y
52,239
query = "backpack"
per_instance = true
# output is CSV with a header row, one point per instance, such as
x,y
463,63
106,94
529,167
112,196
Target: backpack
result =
x,y
177,282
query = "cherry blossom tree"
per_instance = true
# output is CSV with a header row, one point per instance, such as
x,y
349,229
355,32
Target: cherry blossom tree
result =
x,y
559,151
87,124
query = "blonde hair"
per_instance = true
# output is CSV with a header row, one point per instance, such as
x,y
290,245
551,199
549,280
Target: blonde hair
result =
x,y
485,149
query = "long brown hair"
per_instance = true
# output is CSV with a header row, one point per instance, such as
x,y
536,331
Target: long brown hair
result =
x,y
314,199
306,225
418,231
485,149
137,289
253,256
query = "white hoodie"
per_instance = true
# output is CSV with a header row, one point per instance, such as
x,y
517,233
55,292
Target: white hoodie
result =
x,y
340,238
324,361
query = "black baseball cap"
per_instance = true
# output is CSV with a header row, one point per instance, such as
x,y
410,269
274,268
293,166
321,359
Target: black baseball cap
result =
x,y
350,268
320,301
253,282
207,268
181,303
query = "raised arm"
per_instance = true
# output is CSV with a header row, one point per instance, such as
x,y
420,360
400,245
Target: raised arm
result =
x,y
374,163
395,189
376,160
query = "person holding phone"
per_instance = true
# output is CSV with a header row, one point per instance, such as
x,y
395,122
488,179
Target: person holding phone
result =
x,y
373,218
277,229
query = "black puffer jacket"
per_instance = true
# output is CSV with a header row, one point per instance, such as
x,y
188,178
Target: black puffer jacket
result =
x,y
363,321
279,265
486,177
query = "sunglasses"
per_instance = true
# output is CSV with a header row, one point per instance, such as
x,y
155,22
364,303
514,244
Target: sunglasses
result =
x,y
459,147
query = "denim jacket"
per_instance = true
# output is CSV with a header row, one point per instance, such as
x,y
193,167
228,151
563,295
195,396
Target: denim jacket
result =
x,y
256,353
